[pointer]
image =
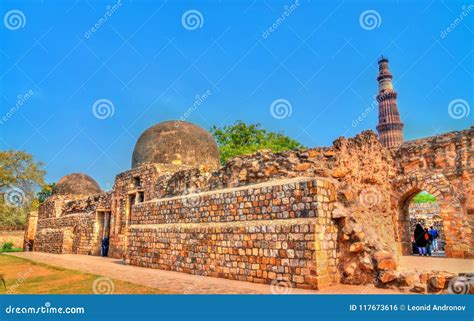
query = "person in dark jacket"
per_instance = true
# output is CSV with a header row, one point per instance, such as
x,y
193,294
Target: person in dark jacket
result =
x,y
420,240
105,246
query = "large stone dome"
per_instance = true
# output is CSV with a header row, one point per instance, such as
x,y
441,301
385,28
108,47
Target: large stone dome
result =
x,y
176,142
76,184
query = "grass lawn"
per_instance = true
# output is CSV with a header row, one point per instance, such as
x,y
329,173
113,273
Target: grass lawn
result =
x,y
15,249
27,277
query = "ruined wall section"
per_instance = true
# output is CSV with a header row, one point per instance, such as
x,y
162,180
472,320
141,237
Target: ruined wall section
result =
x,y
361,169
75,230
444,166
275,232
72,233
51,207
98,202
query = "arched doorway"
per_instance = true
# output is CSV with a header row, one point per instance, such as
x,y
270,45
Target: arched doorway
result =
x,y
454,223
423,209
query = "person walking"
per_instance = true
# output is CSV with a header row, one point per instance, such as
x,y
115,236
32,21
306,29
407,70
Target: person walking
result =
x,y
429,241
435,235
420,240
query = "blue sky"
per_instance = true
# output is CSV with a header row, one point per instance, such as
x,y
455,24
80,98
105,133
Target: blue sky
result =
x,y
321,57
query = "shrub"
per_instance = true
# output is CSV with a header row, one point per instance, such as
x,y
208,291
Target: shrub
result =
x,y
7,246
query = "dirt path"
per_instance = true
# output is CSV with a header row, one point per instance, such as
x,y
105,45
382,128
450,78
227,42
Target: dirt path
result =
x,y
174,282
436,263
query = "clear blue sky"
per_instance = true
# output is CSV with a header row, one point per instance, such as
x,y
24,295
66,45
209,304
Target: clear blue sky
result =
x,y
320,57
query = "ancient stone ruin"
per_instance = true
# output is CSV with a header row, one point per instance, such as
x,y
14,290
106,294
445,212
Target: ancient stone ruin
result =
x,y
307,218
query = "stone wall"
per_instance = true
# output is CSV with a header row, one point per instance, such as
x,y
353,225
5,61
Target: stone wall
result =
x,y
143,179
359,168
442,165
70,226
423,209
49,240
244,221
279,231
75,233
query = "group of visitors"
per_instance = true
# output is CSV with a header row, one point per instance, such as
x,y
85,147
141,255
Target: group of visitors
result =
x,y
425,240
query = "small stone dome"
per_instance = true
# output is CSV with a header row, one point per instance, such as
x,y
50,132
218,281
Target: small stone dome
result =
x,y
176,142
76,184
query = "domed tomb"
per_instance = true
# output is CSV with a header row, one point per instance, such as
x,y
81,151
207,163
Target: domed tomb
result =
x,y
76,184
178,143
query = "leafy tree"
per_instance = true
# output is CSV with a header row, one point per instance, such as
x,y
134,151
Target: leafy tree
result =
x,y
242,139
20,177
46,191
424,197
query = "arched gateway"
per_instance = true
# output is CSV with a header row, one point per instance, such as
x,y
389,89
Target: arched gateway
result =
x,y
450,210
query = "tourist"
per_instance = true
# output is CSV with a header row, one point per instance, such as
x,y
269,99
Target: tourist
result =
x,y
105,246
420,240
435,235
429,239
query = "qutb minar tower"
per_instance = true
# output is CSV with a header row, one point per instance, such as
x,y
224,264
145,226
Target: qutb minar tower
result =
x,y
390,127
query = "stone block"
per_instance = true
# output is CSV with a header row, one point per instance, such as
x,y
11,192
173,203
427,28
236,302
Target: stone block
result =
x,y
384,261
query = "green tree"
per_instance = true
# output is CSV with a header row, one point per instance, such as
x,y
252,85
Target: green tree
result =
x,y
20,177
46,191
242,139
423,197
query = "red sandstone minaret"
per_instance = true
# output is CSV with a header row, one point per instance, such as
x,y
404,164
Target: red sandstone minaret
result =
x,y
390,127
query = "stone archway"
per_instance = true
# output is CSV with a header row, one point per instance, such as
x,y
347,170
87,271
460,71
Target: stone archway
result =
x,y
450,211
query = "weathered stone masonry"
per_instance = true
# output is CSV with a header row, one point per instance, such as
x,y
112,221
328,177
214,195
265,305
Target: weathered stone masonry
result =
x,y
442,165
277,231
250,220
70,226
